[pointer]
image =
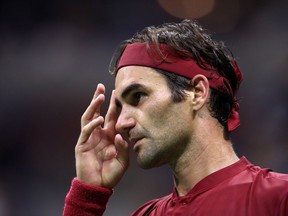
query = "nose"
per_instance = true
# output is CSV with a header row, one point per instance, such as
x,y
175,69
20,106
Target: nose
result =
x,y
125,122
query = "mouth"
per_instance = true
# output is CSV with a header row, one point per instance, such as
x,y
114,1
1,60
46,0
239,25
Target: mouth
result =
x,y
135,142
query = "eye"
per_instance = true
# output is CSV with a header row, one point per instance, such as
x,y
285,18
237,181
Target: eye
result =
x,y
137,97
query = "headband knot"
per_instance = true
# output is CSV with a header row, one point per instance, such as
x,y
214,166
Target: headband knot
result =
x,y
234,118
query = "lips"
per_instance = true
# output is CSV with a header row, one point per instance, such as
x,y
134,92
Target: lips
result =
x,y
135,136
135,140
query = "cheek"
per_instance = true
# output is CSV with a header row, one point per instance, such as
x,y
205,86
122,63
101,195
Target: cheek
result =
x,y
161,115
164,116
157,111
172,118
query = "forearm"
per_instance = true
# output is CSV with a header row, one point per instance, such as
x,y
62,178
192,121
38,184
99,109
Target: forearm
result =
x,y
86,200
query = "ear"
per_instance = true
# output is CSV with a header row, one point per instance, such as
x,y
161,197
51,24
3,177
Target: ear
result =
x,y
200,90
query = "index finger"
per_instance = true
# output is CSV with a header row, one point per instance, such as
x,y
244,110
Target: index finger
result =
x,y
93,110
99,90
111,116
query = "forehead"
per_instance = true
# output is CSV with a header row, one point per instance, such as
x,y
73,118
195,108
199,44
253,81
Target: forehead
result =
x,y
146,76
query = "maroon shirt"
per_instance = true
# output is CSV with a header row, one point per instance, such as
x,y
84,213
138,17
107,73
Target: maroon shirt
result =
x,y
241,189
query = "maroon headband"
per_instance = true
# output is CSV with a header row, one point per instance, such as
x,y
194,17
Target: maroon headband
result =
x,y
164,57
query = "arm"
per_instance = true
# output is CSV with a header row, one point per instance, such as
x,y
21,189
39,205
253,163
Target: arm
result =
x,y
101,154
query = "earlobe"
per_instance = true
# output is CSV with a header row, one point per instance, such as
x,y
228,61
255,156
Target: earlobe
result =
x,y
200,90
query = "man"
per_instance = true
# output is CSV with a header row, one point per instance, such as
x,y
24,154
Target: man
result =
x,y
175,101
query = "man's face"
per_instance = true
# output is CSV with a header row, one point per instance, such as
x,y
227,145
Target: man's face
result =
x,y
158,128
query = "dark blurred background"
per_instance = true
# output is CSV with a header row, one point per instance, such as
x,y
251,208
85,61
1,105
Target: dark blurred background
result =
x,y
53,54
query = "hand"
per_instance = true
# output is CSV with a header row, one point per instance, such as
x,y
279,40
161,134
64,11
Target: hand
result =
x,y
102,155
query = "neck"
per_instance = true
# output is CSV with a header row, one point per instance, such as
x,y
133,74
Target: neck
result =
x,y
200,159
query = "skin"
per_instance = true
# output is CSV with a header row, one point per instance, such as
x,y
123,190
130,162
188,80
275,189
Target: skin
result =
x,y
182,135
101,154
158,128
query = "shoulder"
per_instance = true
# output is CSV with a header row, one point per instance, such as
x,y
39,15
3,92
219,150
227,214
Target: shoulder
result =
x,y
256,176
256,189
259,183
267,177
281,177
269,185
272,190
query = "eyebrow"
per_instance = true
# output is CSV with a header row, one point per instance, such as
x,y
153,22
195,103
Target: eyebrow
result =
x,y
127,91
130,88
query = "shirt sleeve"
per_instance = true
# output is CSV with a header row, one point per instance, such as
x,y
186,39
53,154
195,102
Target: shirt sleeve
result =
x,y
86,200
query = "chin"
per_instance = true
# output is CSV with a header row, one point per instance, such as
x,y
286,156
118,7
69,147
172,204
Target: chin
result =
x,y
148,163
